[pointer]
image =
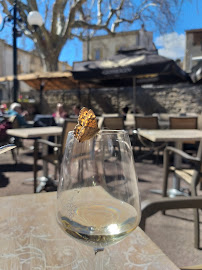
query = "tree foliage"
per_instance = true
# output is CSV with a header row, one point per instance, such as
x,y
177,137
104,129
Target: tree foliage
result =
x,y
68,19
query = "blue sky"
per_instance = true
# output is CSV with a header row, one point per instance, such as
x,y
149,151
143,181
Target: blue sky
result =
x,y
170,44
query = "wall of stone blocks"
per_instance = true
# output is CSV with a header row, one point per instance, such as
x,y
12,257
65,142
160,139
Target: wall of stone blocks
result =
x,y
178,98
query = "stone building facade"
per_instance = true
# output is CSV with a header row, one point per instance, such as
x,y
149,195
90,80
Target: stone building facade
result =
x,y
28,62
193,52
105,46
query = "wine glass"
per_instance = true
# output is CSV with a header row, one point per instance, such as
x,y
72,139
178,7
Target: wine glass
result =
x,y
98,198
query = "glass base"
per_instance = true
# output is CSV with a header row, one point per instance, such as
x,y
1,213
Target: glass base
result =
x,y
103,260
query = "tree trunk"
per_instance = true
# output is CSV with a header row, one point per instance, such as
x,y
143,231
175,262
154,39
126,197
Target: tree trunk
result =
x,y
51,63
49,51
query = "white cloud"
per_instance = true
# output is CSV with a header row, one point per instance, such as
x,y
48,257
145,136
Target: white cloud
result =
x,y
171,45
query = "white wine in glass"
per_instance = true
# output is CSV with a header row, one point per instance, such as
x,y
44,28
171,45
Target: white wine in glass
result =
x,y
98,198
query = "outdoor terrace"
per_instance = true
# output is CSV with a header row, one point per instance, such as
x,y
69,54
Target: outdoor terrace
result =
x,y
173,233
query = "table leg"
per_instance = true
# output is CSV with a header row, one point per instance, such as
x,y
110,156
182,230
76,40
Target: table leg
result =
x,y
177,163
41,179
175,191
45,164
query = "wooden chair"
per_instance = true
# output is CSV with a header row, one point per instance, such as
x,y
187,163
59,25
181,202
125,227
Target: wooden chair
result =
x,y
183,122
114,123
147,122
191,175
55,158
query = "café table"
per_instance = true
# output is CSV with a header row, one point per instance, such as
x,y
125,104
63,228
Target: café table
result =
x,y
34,133
30,238
178,136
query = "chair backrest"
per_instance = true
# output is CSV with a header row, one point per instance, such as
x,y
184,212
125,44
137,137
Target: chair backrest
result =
x,y
180,122
43,120
146,122
14,121
113,122
68,125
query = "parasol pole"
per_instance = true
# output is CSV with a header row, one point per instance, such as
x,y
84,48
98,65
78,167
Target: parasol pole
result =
x,y
134,94
79,93
89,97
118,99
42,84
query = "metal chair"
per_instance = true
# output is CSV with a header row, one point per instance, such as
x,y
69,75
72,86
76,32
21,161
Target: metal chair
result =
x,y
11,122
147,122
185,122
191,175
54,158
151,207
113,122
182,122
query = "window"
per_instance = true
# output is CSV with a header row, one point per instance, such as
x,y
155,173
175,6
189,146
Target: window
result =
x,y
197,40
97,54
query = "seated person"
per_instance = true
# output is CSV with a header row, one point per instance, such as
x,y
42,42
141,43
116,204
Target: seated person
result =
x,y
2,112
76,110
124,112
60,112
16,109
3,109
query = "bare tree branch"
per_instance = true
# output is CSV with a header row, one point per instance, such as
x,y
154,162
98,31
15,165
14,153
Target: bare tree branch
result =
x,y
68,19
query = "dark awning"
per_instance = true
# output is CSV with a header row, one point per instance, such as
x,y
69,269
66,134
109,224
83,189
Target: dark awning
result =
x,y
146,66
196,73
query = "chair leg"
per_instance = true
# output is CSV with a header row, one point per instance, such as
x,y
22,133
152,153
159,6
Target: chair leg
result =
x,y
157,157
14,156
35,165
55,172
166,172
165,176
196,229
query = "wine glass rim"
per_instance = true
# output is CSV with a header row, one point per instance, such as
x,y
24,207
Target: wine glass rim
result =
x,y
108,131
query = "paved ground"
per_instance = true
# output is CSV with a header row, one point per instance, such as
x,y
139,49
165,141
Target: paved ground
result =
x,y
173,233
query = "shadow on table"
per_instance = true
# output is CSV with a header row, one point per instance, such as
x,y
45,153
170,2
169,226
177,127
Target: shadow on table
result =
x,y
4,180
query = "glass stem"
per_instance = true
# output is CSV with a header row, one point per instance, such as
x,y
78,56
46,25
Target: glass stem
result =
x,y
99,262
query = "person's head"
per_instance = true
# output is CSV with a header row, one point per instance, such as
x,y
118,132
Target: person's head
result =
x,y
16,107
3,107
76,109
125,110
60,107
